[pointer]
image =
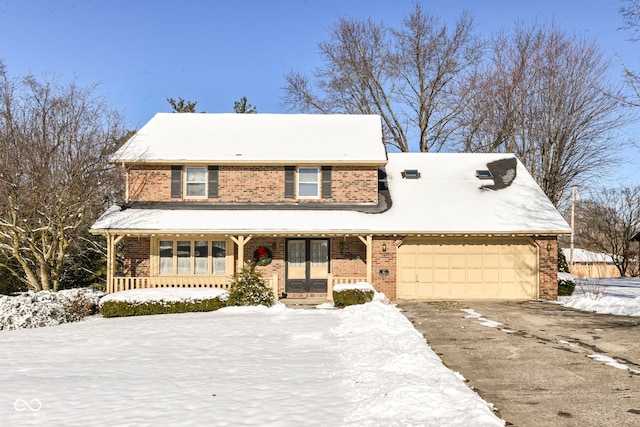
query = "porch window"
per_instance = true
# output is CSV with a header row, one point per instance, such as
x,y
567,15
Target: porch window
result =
x,y
308,183
218,257
201,255
186,257
166,257
196,182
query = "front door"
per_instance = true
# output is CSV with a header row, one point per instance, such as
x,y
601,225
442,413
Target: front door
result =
x,y
307,266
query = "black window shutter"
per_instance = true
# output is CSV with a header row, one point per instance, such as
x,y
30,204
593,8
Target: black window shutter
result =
x,y
326,182
213,182
176,182
289,182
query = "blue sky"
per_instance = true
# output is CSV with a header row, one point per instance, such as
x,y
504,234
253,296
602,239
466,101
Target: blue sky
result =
x,y
214,52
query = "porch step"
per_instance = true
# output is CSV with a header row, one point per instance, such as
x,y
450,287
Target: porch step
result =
x,y
303,302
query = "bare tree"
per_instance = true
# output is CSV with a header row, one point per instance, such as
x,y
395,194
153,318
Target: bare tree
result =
x,y
546,96
630,11
608,221
408,75
54,175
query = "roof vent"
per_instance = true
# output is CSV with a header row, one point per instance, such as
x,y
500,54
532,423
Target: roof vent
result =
x,y
483,174
410,174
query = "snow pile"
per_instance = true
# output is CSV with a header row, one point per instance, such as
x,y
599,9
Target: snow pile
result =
x,y
395,379
140,296
620,296
361,286
365,365
604,304
36,309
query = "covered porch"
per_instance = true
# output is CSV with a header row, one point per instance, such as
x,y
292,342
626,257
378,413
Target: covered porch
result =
x,y
293,266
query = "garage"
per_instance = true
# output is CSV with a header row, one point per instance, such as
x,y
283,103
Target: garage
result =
x,y
467,268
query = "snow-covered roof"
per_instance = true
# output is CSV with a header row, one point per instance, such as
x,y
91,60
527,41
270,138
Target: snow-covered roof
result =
x,y
257,138
446,199
583,255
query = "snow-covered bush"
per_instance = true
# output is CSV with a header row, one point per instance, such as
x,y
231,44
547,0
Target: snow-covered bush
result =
x,y
249,288
141,302
36,309
352,294
566,284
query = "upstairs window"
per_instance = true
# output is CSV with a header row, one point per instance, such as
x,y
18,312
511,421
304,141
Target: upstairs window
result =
x,y
308,183
196,182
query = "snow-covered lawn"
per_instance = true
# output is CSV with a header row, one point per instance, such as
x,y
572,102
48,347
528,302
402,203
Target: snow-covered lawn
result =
x,y
361,366
619,296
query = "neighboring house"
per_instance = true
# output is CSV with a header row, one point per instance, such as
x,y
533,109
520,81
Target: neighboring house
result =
x,y
315,200
587,264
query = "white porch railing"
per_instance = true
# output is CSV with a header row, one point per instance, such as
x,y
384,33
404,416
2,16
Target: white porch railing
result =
x,y
331,281
223,282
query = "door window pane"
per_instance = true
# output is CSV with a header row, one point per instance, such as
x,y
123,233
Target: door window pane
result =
x,y
184,257
201,255
296,253
319,253
166,257
218,256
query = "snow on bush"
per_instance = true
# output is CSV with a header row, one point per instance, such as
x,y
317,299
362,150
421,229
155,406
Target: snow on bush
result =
x,y
361,286
361,289
36,309
140,302
166,294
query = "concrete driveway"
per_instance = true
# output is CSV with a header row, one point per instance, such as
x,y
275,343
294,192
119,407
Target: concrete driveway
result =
x,y
535,367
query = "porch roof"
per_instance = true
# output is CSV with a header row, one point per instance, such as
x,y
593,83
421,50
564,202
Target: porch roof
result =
x,y
446,199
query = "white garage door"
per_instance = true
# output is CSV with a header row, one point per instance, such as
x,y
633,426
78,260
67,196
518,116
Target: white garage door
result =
x,y
467,268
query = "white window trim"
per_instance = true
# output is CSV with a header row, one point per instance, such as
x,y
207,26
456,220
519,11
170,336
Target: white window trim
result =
x,y
187,182
318,183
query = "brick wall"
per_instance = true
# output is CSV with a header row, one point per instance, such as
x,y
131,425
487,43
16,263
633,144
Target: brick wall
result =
x,y
348,257
276,246
136,256
548,264
150,184
258,184
385,260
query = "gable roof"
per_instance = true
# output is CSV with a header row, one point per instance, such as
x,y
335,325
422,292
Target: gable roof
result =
x,y
447,199
257,138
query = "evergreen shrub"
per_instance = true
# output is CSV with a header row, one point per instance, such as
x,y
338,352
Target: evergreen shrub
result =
x,y
131,308
249,288
351,297
566,282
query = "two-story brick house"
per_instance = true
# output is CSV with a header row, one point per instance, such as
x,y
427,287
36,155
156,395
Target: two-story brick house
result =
x,y
316,200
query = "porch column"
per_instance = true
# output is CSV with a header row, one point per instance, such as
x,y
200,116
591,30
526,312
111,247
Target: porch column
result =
x,y
368,241
240,241
112,241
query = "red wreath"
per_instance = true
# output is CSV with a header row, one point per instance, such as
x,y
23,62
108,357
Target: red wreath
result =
x,y
262,256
